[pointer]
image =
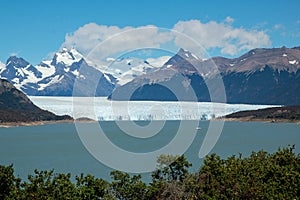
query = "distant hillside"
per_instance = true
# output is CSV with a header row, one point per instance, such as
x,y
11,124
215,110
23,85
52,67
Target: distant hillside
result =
x,y
15,106
275,114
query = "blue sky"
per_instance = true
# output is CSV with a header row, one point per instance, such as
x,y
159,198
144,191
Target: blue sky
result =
x,y
33,29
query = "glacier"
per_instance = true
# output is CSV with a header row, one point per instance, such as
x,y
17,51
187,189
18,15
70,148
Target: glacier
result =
x,y
101,109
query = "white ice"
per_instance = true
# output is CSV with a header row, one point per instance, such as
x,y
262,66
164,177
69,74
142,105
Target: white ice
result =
x,y
99,108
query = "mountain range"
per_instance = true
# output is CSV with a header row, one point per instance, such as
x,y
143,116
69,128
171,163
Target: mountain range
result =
x,y
260,76
55,77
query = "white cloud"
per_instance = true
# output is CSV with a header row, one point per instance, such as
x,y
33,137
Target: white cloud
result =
x,y
2,65
105,41
229,19
278,26
230,40
230,49
89,35
101,41
281,29
14,54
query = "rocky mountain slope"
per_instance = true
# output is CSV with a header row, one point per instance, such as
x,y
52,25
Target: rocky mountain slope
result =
x,y
15,106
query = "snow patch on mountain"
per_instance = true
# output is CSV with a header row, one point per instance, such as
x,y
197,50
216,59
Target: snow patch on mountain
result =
x,y
187,54
46,68
110,59
293,62
196,57
55,79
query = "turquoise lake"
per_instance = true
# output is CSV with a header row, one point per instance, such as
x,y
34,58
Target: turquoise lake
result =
x,y
58,146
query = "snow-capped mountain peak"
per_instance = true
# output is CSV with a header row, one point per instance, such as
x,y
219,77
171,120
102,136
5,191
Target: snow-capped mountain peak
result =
x,y
186,54
16,66
19,72
67,57
16,62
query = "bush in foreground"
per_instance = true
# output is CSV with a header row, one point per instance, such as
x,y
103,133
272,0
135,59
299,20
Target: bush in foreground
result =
x,y
260,176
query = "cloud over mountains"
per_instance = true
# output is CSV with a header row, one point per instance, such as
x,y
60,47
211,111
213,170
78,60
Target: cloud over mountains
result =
x,y
101,40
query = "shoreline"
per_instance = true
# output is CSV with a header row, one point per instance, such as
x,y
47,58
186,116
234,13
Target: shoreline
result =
x,y
38,123
242,119
250,119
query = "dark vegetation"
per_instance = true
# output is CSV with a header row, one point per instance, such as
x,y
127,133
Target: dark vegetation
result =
x,y
290,113
260,176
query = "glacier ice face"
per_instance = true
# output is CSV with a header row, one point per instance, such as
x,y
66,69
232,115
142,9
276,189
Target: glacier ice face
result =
x,y
99,108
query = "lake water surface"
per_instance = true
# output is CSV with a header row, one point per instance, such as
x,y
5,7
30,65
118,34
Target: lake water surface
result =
x,y
57,146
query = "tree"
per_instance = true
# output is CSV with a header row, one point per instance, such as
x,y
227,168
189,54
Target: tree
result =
x,y
168,177
47,185
171,167
9,185
89,187
125,187
260,176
